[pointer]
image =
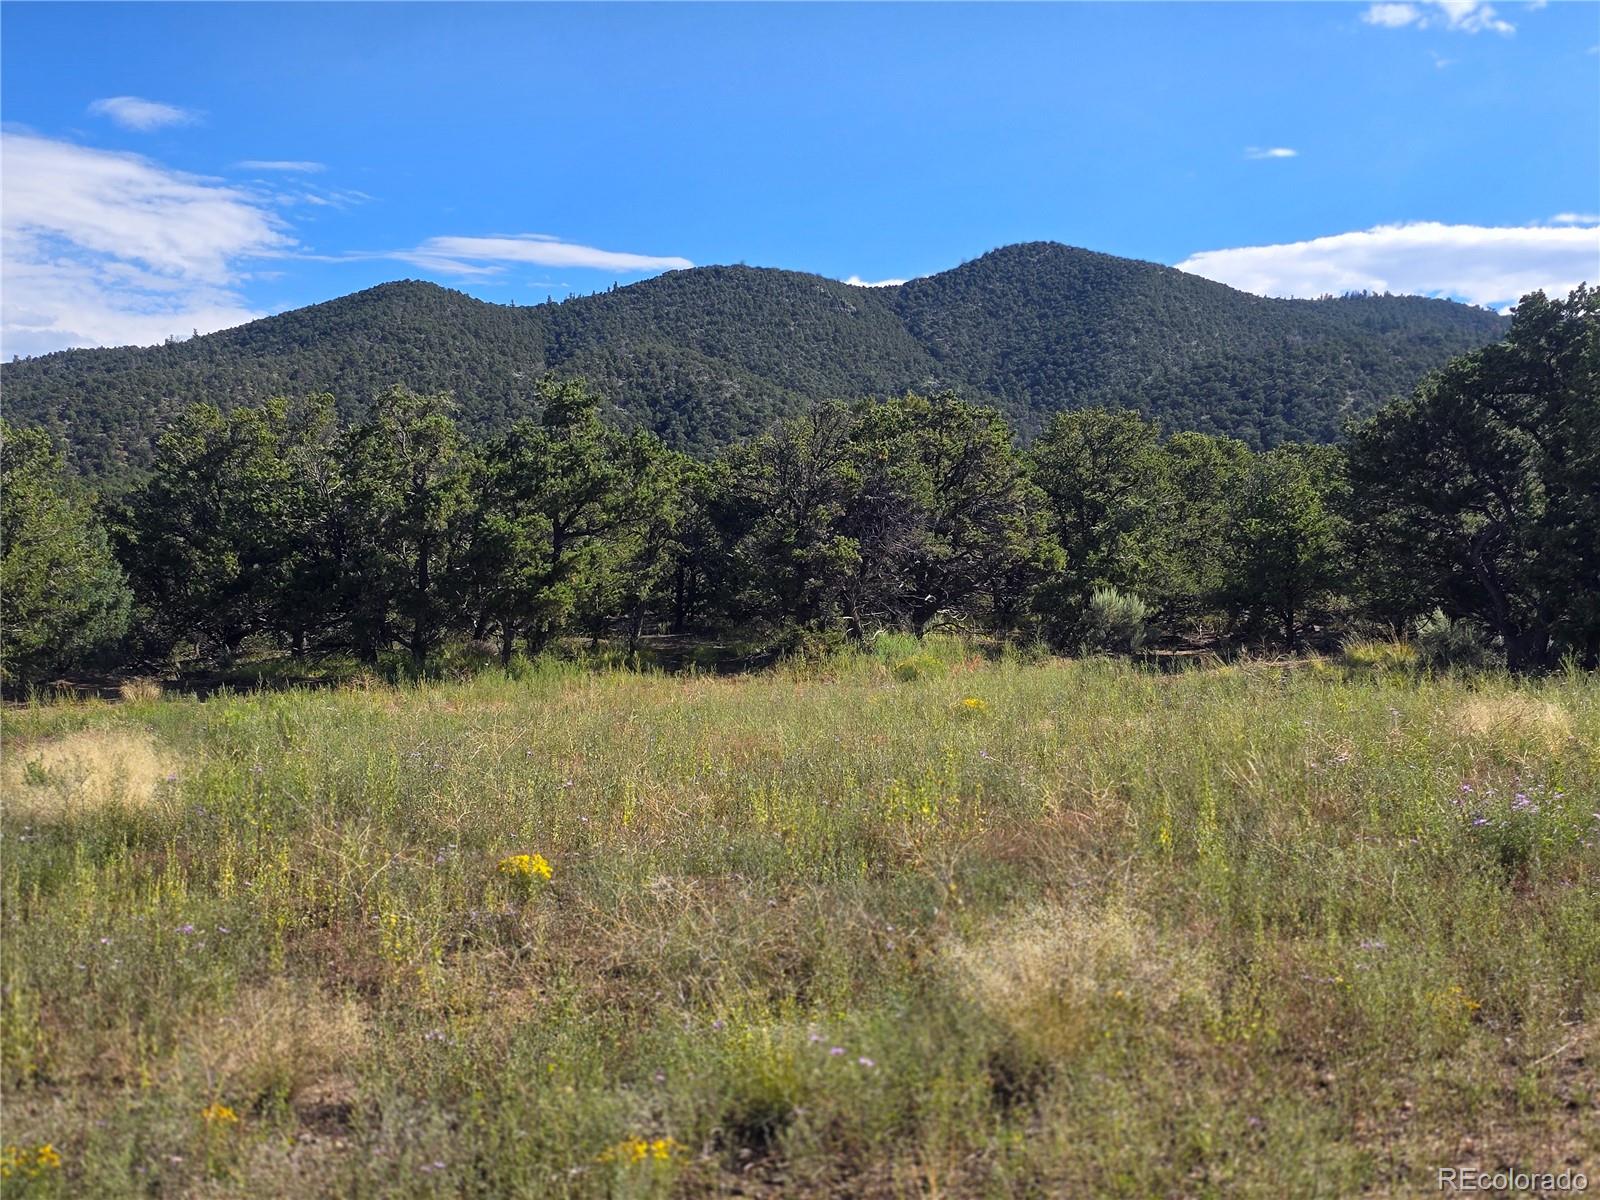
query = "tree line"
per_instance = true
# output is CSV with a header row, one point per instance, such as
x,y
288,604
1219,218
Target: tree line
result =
x,y
1474,502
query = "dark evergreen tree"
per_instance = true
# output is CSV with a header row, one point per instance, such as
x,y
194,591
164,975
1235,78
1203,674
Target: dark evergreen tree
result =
x,y
1106,478
945,519
404,503
563,504
64,596
1281,553
1481,493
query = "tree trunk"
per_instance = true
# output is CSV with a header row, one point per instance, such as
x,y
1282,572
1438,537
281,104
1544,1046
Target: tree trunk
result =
x,y
419,626
636,628
538,638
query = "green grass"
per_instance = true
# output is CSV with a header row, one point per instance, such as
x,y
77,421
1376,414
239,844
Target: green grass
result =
x,y
825,930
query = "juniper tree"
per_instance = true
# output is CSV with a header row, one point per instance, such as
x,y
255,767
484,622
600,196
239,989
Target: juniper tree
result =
x,y
64,596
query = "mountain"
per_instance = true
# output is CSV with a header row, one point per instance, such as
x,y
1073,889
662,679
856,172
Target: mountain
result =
x,y
713,354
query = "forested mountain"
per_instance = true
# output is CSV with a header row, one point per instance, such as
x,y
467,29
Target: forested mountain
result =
x,y
714,354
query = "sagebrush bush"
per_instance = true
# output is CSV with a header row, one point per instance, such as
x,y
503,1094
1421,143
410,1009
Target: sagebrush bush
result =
x,y
1443,642
1116,622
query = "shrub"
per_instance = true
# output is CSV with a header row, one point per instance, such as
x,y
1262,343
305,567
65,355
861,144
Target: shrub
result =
x,y
1116,621
916,666
1446,643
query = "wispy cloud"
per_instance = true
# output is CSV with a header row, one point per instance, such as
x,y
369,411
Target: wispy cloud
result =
x,y
134,112
857,281
107,249
1461,16
1270,152
273,164
338,198
1479,264
490,255
1572,218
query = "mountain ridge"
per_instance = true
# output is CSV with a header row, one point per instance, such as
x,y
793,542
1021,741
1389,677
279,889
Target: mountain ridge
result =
x,y
709,355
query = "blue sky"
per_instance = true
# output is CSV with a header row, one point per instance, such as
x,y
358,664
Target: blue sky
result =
x,y
168,168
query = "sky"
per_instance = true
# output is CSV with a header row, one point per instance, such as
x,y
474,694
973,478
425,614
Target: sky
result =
x,y
166,169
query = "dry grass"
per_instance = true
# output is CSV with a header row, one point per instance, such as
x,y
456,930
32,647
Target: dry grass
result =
x,y
281,1042
1052,972
141,689
83,772
1514,716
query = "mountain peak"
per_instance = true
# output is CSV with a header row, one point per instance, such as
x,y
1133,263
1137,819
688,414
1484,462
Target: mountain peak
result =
x,y
712,354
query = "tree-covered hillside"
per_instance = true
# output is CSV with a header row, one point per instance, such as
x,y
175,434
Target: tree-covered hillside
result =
x,y
714,354
1044,327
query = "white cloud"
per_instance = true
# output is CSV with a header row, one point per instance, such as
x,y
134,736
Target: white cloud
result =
x,y
107,249
857,281
1472,16
1570,218
1479,264
1270,152
1392,16
133,112
1461,16
488,255
272,164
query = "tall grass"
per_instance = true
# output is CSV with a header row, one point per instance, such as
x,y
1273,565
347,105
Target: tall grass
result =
x,y
833,929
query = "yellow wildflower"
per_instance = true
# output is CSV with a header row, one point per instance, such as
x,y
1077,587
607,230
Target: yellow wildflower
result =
x,y
973,704
525,866
30,1164
1453,1003
635,1150
219,1114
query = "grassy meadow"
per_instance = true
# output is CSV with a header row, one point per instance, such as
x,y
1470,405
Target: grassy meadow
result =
x,y
915,923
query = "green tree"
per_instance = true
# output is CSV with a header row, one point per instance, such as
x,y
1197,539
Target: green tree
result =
x,y
65,598
565,506
216,539
1106,477
632,576
1281,555
1480,493
944,518
404,504
781,511
1203,474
